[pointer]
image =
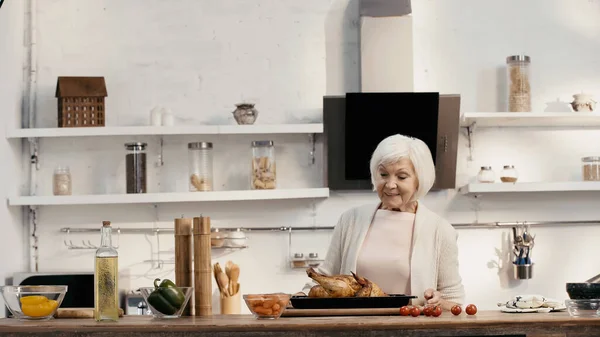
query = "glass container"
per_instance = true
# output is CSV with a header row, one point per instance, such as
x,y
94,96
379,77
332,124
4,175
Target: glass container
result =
x,y
583,308
263,173
313,260
591,168
106,278
519,83
299,261
201,166
486,175
217,238
61,181
135,167
509,174
236,238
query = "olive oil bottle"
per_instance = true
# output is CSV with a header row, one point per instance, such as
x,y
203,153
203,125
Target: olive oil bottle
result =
x,y
106,278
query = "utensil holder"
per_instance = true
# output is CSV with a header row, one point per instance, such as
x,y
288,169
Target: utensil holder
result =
x,y
523,271
231,305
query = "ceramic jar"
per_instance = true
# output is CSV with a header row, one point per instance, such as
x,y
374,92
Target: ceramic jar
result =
x,y
245,113
583,103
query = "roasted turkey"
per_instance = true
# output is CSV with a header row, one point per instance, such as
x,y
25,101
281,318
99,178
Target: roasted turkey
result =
x,y
342,286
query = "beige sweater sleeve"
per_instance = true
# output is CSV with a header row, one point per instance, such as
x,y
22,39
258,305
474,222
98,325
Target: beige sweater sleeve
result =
x,y
449,281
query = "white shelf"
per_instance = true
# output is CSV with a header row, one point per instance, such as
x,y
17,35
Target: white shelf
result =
x,y
561,186
530,119
152,198
165,130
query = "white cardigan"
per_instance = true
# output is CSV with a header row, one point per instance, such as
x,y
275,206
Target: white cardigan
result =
x,y
434,260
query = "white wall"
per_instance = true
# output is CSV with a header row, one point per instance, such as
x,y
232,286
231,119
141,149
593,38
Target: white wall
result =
x,y
201,57
12,247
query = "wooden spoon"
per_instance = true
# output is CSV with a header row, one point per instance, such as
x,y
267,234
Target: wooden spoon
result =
x,y
222,280
234,277
224,283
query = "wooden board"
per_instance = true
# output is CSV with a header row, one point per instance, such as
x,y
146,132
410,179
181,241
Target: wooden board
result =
x,y
485,323
78,313
340,312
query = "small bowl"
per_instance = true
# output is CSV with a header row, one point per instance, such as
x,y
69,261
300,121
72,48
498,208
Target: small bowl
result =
x,y
583,308
217,242
187,292
267,306
583,291
51,295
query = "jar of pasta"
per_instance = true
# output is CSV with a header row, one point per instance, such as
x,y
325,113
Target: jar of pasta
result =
x,y
263,175
200,166
519,83
61,181
591,168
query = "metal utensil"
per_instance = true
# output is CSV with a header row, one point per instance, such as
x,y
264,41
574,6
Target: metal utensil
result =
x,y
595,279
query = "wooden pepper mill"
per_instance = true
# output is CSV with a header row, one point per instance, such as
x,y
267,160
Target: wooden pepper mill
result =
x,y
202,267
183,258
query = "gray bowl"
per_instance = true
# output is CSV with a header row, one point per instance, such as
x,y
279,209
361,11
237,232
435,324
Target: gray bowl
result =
x,y
583,291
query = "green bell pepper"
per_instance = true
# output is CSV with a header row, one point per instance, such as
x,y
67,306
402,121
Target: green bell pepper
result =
x,y
166,297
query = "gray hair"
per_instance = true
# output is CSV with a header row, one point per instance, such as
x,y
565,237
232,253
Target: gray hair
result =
x,y
396,147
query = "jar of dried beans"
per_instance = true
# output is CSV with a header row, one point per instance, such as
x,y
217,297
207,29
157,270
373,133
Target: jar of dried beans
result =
x,y
263,175
135,167
61,181
509,174
519,83
201,166
591,168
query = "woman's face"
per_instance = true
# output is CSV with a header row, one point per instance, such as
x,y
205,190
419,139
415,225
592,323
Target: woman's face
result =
x,y
396,184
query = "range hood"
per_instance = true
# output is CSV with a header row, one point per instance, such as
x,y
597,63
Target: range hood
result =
x,y
386,46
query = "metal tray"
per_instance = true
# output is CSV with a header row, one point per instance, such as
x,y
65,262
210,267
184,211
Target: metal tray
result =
x,y
391,301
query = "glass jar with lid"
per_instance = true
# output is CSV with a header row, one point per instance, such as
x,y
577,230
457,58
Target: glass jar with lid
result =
x,y
200,166
591,168
299,261
486,175
61,181
135,167
519,83
509,174
263,175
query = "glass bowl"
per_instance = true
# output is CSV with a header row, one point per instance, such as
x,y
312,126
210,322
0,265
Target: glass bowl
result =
x,y
267,306
159,308
583,308
33,302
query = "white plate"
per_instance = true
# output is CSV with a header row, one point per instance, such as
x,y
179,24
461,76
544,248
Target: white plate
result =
x,y
517,310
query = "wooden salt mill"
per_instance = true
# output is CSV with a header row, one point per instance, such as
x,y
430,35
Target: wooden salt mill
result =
x,y
202,267
183,258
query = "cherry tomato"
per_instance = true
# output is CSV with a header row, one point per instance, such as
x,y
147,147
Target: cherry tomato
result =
x,y
405,311
428,310
471,309
456,310
437,311
414,312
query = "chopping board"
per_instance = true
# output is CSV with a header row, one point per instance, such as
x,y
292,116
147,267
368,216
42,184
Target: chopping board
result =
x,y
341,312
78,313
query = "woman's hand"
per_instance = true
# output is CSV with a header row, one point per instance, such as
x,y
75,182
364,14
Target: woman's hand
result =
x,y
433,297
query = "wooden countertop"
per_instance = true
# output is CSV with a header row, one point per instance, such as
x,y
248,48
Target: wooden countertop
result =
x,y
485,323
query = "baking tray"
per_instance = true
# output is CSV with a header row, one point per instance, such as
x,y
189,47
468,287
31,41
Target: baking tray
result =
x,y
391,301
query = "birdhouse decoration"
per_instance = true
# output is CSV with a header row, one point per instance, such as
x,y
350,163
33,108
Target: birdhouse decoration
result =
x,y
81,101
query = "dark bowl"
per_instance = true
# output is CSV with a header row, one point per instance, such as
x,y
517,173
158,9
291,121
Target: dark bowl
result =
x,y
583,291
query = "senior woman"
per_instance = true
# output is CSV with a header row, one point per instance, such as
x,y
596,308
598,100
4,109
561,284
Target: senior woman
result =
x,y
398,243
